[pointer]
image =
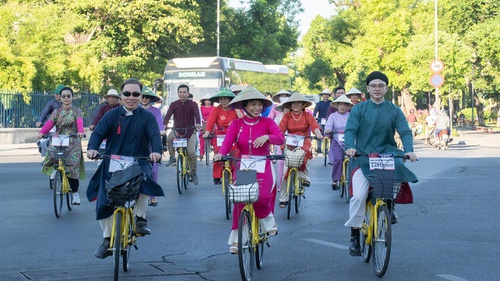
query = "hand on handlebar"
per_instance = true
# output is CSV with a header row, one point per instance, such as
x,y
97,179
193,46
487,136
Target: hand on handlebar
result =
x,y
155,157
92,154
351,152
412,156
217,157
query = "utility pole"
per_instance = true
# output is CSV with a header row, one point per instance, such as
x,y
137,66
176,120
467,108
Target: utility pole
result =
x,y
436,57
218,28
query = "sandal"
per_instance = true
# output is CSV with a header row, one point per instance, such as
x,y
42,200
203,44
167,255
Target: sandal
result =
x,y
273,231
283,204
234,249
306,183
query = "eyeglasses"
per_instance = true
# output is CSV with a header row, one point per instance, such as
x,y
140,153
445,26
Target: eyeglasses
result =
x,y
135,94
375,86
65,96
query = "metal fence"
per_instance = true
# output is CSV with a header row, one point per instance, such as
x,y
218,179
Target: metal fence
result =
x,y
16,113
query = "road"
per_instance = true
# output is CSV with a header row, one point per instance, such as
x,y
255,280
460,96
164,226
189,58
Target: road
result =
x,y
449,233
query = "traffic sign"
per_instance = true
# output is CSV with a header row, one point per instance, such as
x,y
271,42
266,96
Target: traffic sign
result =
x,y
437,66
436,80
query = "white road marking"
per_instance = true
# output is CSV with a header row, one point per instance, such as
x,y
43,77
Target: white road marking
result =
x,y
451,277
329,244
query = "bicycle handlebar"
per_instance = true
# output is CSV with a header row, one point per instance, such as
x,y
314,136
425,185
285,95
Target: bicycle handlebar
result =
x,y
143,158
231,158
405,157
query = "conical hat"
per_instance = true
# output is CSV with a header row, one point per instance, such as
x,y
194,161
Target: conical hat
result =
x,y
353,91
276,97
250,93
146,91
236,88
279,107
343,99
325,92
222,93
296,97
205,97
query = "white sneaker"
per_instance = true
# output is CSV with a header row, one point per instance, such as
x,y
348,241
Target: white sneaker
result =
x,y
76,199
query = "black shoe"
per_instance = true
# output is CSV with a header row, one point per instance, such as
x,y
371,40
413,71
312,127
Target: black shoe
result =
x,y
354,248
103,250
394,217
217,181
335,186
142,227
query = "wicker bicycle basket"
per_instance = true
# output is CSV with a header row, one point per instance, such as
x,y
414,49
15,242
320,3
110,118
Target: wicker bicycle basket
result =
x,y
245,194
294,158
384,186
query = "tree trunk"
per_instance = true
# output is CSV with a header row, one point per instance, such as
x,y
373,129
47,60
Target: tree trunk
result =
x,y
407,101
480,111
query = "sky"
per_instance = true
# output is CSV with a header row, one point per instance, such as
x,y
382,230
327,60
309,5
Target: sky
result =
x,y
312,8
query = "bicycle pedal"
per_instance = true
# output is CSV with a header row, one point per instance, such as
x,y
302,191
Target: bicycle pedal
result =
x,y
268,244
135,246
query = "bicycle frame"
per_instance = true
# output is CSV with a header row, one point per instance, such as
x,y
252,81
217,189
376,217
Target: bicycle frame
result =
x,y
255,226
371,228
227,168
127,219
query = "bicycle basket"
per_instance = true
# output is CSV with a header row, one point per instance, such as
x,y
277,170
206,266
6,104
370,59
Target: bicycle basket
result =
x,y
245,193
124,185
294,158
383,185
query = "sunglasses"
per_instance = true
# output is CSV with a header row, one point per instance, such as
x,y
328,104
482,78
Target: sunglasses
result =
x,y
65,96
135,94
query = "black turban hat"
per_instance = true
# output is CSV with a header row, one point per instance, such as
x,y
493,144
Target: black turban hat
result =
x,y
377,75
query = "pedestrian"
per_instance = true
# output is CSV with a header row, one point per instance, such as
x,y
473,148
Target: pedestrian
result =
x,y
370,129
187,120
131,131
206,108
68,121
320,113
253,135
112,98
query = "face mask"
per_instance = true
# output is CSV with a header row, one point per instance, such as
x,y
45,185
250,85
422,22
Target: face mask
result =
x,y
282,98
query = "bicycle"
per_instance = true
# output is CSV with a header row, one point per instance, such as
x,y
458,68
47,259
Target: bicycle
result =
x,y
226,181
344,179
326,149
183,170
247,192
59,179
376,233
122,191
293,160
208,147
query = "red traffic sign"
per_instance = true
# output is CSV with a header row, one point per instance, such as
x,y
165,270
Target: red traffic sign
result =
x,y
437,66
436,80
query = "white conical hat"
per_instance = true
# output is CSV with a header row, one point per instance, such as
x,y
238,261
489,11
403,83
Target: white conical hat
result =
x,y
353,91
281,92
296,97
250,93
343,99
326,92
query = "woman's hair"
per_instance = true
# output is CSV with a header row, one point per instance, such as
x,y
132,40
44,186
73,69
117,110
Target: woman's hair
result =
x,y
67,89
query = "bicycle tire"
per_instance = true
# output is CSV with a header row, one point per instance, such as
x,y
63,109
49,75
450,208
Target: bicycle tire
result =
x,y
298,197
245,247
346,184
180,176
207,150
366,246
69,199
382,241
259,251
58,195
126,251
325,152
225,190
117,244
291,191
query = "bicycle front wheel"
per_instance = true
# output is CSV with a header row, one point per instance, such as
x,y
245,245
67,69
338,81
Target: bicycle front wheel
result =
x,y
291,191
345,187
245,247
207,150
180,176
325,152
366,246
127,245
225,191
117,244
58,194
382,241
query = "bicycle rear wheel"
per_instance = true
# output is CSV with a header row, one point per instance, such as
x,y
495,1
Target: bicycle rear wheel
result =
x,y
180,176
259,251
325,152
291,191
382,241
130,236
69,199
366,246
298,197
58,194
117,244
245,247
207,150
345,188
225,190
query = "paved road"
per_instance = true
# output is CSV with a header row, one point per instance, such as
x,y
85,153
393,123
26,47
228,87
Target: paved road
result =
x,y
450,233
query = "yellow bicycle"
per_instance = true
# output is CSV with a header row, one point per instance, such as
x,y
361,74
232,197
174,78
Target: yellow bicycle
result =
x,y
59,179
251,238
122,191
376,233
344,179
183,170
226,181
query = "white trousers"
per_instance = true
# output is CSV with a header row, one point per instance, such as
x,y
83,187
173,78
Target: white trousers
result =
x,y
303,175
140,209
266,223
360,185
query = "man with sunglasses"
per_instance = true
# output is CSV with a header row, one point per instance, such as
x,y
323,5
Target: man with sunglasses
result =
x,y
50,106
186,116
129,130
